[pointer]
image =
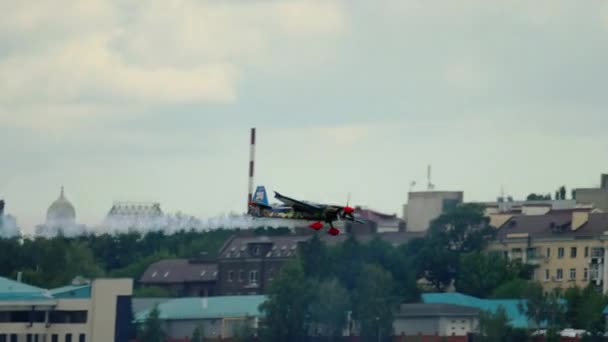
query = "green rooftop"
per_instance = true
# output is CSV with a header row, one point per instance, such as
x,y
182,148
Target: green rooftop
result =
x,y
207,307
14,290
72,291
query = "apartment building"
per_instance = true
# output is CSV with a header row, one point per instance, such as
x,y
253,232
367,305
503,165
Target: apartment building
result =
x,y
567,247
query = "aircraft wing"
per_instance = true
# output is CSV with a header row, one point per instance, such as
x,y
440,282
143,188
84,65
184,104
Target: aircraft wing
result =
x,y
298,205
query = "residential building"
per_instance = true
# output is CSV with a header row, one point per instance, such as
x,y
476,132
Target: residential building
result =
x,y
184,277
247,264
217,317
424,206
567,247
435,319
377,222
98,311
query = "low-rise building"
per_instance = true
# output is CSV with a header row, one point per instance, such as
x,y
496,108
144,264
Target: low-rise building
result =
x,y
95,312
435,319
216,317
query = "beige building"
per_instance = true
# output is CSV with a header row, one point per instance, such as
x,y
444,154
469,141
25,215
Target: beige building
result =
x,y
598,197
568,247
424,206
98,311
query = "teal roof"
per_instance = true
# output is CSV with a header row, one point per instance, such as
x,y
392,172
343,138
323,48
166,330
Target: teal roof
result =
x,y
216,307
14,290
72,291
517,318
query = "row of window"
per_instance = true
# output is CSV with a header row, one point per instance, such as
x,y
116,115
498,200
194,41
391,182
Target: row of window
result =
x,y
253,276
596,252
40,338
559,274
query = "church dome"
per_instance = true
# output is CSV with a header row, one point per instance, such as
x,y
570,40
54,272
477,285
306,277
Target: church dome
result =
x,y
61,211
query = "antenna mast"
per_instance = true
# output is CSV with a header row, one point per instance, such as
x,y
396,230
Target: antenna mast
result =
x,y
430,186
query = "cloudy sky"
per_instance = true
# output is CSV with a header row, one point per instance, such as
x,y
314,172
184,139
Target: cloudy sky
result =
x,y
153,100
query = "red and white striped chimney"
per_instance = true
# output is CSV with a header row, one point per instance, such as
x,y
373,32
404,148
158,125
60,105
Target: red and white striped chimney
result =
x,y
251,166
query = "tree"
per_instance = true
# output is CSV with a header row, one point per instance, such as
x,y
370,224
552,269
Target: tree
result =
x,y
315,257
514,288
198,335
543,307
538,197
493,327
463,229
562,192
330,308
151,330
374,302
287,309
481,273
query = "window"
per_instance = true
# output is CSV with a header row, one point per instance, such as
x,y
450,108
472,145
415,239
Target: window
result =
x,y
203,272
253,277
230,276
585,274
154,274
28,338
560,274
2,337
573,274
81,338
68,337
586,252
241,275
270,274
547,274
548,252
573,252
560,252
55,338
256,250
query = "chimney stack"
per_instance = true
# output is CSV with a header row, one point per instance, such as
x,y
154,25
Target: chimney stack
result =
x,y
605,181
251,166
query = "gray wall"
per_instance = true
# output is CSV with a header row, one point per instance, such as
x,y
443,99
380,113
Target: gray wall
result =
x,y
413,326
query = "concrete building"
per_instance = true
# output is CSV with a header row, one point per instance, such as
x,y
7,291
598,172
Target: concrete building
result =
x,y
424,206
568,247
598,197
435,319
216,317
94,312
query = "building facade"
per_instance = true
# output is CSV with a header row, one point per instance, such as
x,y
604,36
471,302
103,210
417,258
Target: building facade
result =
x,y
425,206
95,312
566,247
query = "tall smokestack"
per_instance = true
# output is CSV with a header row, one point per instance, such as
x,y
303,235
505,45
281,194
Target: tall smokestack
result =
x,y
251,166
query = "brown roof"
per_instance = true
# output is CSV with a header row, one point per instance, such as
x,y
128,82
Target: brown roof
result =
x,y
179,271
555,224
284,246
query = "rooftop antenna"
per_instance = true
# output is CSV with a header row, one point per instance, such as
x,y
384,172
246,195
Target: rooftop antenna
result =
x,y
412,184
251,167
430,186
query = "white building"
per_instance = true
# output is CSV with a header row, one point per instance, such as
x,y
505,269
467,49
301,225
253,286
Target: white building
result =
x,y
424,206
98,311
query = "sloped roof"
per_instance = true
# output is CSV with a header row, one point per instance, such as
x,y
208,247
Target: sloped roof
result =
x,y
72,291
14,290
517,318
540,226
179,271
207,307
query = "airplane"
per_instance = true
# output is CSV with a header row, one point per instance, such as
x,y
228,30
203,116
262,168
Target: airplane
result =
x,y
300,210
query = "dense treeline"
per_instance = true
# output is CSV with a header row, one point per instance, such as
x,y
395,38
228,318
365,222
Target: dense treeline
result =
x,y
53,262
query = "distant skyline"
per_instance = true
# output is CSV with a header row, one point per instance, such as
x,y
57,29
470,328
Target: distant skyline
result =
x,y
153,101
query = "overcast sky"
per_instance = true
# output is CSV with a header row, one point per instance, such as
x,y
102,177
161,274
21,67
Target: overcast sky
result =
x,y
153,100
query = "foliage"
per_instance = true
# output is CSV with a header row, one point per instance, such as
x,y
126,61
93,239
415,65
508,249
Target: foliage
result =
x,y
543,307
514,288
328,311
151,330
374,301
538,197
287,309
242,330
481,273
493,326
463,229
198,335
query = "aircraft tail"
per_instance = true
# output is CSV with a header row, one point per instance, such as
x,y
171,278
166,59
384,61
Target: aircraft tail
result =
x,y
260,196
